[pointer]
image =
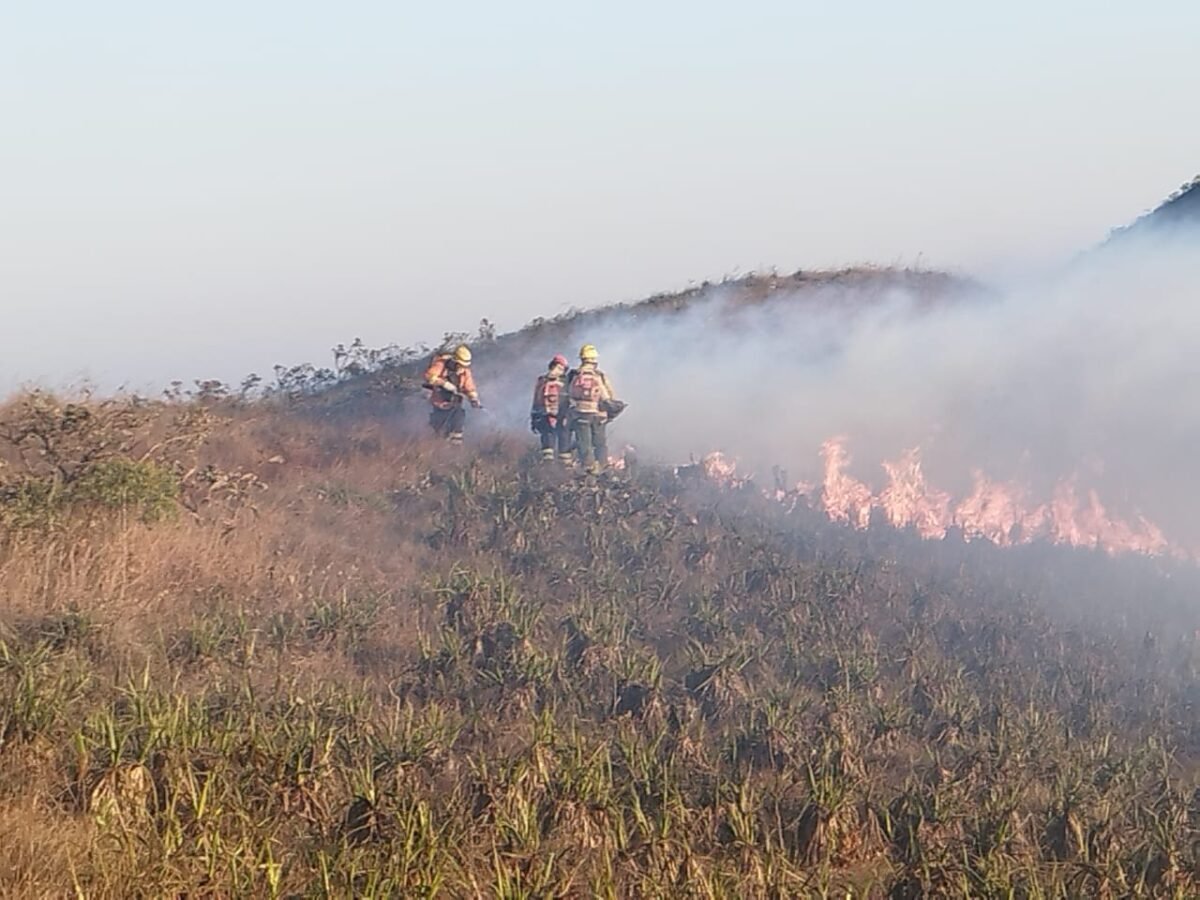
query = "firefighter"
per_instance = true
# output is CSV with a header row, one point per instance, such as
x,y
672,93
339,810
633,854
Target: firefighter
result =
x,y
449,380
546,417
592,401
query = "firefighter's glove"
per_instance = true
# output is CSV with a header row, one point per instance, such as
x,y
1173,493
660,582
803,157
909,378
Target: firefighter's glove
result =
x,y
449,387
535,421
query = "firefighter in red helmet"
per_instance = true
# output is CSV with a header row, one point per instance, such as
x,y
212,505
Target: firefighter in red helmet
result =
x,y
547,415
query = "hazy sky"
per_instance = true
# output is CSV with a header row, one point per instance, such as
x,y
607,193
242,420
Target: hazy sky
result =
x,y
206,189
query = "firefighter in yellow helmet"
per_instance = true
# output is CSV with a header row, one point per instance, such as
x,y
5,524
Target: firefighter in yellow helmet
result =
x,y
450,383
592,404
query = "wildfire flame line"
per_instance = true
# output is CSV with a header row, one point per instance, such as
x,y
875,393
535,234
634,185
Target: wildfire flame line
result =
x,y
998,511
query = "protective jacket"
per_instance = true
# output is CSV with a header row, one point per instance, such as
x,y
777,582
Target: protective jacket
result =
x,y
589,392
449,383
547,397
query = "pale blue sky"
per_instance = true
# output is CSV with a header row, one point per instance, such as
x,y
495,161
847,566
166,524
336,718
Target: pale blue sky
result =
x,y
195,190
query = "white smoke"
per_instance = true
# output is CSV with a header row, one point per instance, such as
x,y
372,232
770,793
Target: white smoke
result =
x,y
1095,373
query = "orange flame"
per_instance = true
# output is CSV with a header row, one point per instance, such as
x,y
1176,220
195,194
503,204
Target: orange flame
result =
x,y
846,499
996,511
718,467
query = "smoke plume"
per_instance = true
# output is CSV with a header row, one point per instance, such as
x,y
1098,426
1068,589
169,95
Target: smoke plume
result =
x,y
1090,376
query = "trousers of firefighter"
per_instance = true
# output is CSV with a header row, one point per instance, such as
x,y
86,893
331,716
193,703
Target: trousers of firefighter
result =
x,y
571,411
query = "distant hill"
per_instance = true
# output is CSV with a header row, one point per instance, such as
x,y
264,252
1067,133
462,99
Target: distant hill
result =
x,y
1181,208
364,372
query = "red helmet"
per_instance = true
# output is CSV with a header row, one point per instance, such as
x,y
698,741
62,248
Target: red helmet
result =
x,y
559,360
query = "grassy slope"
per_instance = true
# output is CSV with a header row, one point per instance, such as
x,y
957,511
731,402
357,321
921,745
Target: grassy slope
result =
x,y
394,671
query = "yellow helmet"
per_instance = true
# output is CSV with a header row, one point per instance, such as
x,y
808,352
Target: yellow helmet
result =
x,y
587,353
462,355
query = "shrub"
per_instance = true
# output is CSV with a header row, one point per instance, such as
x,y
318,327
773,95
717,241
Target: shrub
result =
x,y
30,503
146,489
142,487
